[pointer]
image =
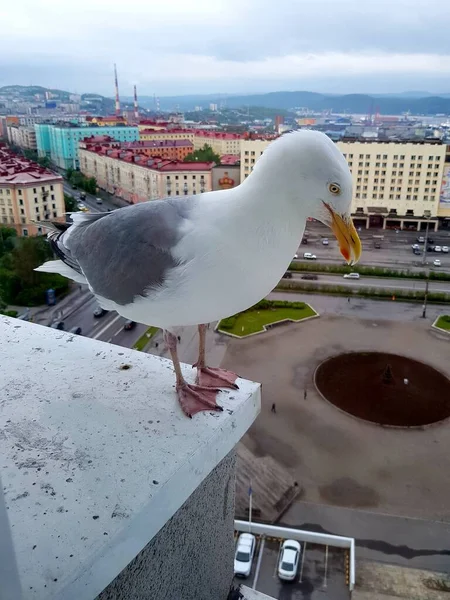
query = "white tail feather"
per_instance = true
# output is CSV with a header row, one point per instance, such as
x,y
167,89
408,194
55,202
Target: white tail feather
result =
x,y
57,266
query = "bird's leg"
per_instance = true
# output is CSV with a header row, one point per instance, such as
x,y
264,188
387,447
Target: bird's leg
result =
x,y
193,398
211,376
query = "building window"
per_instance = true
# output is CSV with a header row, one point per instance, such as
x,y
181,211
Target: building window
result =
x,y
394,173
21,202
425,198
37,209
408,196
25,232
22,211
55,214
397,196
23,220
51,188
34,191
378,156
19,192
357,194
8,192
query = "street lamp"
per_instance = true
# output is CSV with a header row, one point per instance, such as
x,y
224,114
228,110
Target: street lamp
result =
x,y
427,271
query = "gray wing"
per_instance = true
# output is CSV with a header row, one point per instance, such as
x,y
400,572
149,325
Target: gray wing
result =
x,y
128,252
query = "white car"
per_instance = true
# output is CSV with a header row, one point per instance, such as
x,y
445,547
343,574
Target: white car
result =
x,y
414,246
325,242
295,256
245,550
309,256
436,262
351,276
445,249
438,248
289,559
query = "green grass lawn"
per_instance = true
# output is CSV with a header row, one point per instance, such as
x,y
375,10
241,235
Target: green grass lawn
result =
x,y
254,319
145,338
444,322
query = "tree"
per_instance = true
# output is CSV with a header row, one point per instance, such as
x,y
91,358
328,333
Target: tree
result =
x,y
44,161
205,154
70,203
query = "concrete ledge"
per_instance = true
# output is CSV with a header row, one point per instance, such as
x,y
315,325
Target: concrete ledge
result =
x,y
96,455
435,326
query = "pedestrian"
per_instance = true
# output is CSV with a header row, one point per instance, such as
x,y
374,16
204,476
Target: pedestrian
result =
x,y
179,338
305,394
274,408
348,299
156,344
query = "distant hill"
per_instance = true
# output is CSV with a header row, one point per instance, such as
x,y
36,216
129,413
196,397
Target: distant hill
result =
x,y
416,102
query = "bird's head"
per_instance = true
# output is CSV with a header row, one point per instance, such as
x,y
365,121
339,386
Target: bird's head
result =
x,y
318,182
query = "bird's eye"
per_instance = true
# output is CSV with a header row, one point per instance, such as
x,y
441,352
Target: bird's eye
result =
x,y
334,188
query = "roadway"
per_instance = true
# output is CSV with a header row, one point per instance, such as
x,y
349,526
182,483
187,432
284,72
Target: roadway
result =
x,y
387,283
108,202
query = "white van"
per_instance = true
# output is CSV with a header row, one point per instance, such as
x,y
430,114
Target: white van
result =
x,y
351,276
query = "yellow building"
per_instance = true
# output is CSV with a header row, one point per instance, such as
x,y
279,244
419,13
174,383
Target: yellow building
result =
x,y
139,178
395,184
222,143
28,193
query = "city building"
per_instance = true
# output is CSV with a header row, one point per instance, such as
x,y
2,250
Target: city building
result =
x,y
28,193
396,184
22,136
171,149
60,142
138,178
221,142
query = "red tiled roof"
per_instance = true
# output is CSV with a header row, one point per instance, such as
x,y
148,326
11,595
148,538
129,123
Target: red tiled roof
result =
x,y
157,163
16,169
230,159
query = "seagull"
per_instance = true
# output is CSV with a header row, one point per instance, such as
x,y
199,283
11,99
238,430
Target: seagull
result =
x,y
196,259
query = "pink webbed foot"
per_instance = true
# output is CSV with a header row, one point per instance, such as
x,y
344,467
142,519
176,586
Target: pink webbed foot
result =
x,y
213,376
195,398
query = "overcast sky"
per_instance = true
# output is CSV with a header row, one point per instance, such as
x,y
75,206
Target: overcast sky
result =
x,y
173,47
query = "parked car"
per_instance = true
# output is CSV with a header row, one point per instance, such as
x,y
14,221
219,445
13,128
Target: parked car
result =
x,y
295,256
129,325
414,246
99,312
245,550
445,249
81,206
289,559
76,330
430,241
325,242
377,245
351,276
309,256
311,276
82,195
430,249
58,325
437,262
305,241
74,187
99,201
438,248
287,275
417,251
421,239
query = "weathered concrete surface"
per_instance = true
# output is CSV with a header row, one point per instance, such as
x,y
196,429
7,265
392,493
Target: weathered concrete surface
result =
x,y
376,581
96,455
191,558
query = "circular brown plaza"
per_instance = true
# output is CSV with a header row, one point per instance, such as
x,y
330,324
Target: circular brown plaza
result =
x,y
387,389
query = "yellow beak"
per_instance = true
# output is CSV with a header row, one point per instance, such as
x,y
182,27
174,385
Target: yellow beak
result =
x,y
346,235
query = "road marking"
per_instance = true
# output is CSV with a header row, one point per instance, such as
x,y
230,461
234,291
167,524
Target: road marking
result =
x,y
303,562
258,564
105,328
278,560
326,567
117,332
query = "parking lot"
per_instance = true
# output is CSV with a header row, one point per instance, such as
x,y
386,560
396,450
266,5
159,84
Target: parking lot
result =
x,y
322,572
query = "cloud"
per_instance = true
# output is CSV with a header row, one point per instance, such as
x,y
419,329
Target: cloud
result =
x,y
226,45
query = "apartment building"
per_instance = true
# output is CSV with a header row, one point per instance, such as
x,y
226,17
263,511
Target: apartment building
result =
x,y
60,142
222,143
22,136
138,178
396,184
28,193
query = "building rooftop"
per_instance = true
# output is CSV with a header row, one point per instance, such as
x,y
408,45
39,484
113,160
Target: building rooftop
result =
x,y
97,459
230,159
15,169
217,135
156,163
